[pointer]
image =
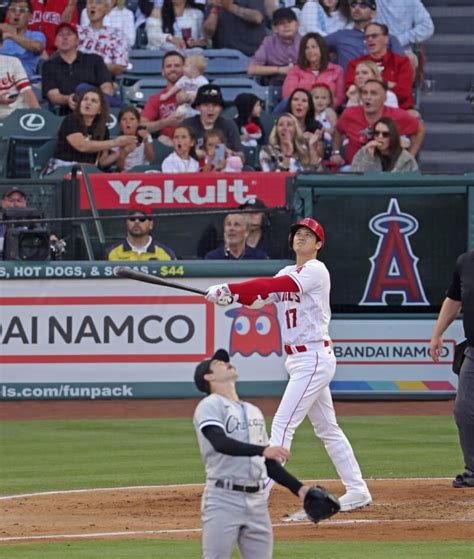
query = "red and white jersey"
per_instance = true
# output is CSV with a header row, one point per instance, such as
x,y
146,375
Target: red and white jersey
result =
x,y
47,17
109,43
306,313
13,80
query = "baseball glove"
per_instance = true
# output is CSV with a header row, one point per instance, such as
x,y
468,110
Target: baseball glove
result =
x,y
320,504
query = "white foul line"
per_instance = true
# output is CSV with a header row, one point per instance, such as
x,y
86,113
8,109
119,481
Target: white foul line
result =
x,y
198,530
147,487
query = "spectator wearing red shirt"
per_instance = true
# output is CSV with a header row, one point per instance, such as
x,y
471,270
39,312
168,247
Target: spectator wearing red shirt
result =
x,y
48,14
396,70
356,123
160,116
314,66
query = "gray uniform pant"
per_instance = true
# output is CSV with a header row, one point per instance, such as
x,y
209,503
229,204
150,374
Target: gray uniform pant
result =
x,y
464,408
231,518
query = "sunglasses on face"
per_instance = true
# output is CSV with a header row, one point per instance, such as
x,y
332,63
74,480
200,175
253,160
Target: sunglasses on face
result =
x,y
382,133
140,219
372,36
360,4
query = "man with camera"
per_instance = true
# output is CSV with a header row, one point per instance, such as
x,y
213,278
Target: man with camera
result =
x,y
25,239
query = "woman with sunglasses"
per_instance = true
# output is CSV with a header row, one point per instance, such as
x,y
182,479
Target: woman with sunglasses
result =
x,y
384,153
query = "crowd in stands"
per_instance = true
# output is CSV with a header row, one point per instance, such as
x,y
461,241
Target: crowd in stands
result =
x,y
342,75
333,63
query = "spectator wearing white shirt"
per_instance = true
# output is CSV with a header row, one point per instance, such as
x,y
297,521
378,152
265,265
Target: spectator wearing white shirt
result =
x,y
120,18
107,42
16,92
338,15
313,19
177,24
183,159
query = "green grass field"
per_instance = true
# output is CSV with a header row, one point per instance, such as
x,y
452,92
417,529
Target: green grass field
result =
x,y
56,455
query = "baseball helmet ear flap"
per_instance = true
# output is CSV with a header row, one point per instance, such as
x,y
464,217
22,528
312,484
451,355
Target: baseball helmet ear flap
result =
x,y
312,225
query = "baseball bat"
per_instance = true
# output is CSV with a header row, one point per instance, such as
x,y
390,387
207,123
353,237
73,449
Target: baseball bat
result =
x,y
148,278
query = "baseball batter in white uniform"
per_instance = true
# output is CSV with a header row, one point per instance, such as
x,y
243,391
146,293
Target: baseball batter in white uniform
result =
x,y
234,446
303,291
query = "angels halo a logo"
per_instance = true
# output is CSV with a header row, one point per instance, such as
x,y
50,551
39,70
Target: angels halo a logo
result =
x,y
394,266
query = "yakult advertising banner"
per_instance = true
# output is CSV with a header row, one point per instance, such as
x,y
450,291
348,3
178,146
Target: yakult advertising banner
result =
x,y
96,339
191,190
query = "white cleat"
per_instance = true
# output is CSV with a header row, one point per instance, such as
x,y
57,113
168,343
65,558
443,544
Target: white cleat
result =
x,y
354,500
298,516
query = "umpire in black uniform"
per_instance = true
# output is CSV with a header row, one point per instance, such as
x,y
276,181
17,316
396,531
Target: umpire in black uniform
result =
x,y
461,294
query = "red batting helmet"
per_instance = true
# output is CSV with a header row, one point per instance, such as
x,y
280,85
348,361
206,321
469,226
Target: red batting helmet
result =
x,y
312,225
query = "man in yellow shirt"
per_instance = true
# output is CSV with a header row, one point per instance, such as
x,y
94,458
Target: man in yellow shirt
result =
x,y
139,244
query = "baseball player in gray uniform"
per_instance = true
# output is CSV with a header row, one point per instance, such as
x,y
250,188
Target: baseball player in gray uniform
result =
x,y
302,291
234,446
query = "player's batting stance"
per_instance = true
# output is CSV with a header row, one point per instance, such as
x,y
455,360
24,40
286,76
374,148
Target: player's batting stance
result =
x,y
234,445
303,291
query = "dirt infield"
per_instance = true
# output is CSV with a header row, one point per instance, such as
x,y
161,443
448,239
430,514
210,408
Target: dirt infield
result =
x,y
402,510
413,509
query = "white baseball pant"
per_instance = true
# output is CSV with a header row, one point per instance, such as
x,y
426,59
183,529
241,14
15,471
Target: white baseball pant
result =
x,y
308,394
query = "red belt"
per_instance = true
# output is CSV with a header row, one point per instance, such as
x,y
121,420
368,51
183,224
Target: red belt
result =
x,y
290,350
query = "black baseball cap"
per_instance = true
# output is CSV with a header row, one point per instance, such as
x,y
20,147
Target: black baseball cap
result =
x,y
135,213
203,368
252,204
209,93
13,191
283,14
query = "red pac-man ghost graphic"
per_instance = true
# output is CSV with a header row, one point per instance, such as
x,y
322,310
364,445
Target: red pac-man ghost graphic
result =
x,y
255,331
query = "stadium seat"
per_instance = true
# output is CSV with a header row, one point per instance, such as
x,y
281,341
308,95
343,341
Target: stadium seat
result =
x,y
22,129
231,87
112,123
39,157
161,152
140,68
229,54
146,168
142,90
226,67
251,156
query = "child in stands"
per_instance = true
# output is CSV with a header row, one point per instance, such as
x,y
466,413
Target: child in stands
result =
x,y
183,159
249,109
130,156
325,114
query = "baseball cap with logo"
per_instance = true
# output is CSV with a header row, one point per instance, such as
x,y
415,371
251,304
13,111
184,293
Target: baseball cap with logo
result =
x,y
66,25
204,367
209,94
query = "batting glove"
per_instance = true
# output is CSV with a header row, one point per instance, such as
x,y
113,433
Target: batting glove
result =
x,y
220,294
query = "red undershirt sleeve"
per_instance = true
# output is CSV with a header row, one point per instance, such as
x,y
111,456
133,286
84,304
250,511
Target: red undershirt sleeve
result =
x,y
248,291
